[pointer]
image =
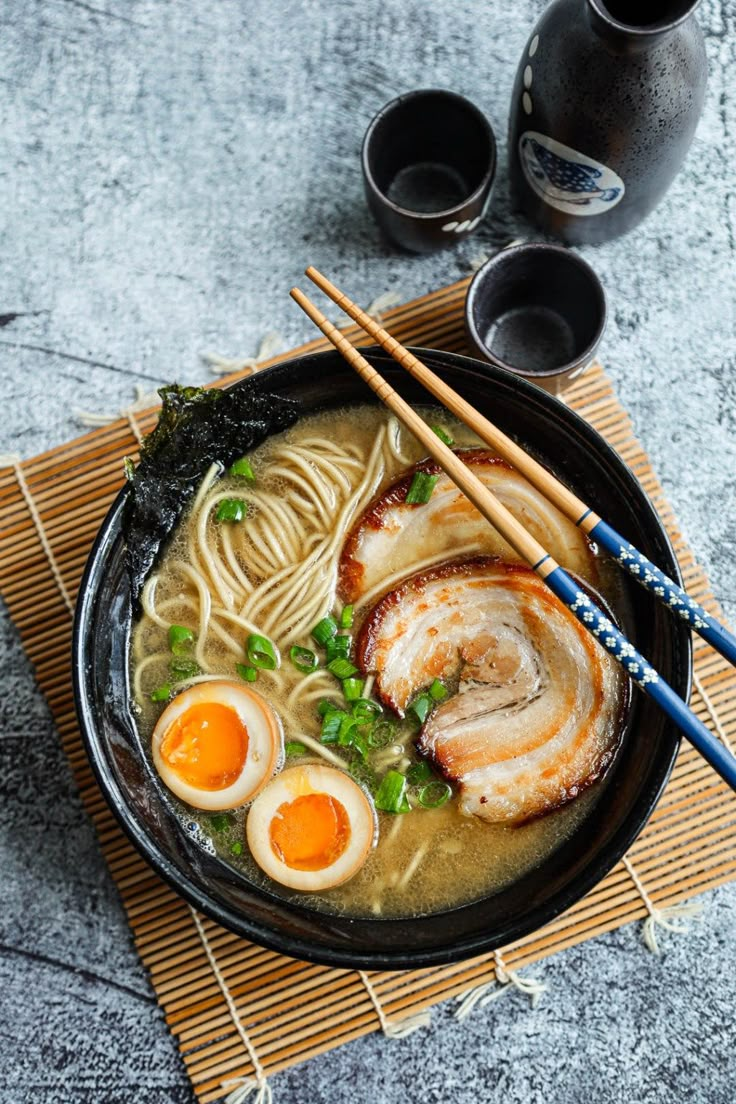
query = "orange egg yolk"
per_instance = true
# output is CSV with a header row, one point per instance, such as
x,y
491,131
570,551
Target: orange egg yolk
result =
x,y
206,746
310,832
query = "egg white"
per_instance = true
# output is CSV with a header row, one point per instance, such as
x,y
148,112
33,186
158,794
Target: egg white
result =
x,y
265,744
297,782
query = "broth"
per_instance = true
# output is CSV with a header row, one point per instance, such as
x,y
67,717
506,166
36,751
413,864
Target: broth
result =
x,y
425,860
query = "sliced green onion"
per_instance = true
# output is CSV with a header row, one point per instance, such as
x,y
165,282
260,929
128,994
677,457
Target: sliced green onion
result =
x,y
241,469
181,639
294,747
364,710
443,435
391,794
161,693
418,773
342,668
324,629
232,509
360,743
236,848
381,735
262,653
183,668
421,489
338,646
249,674
352,688
438,691
346,732
421,706
326,706
331,726
222,821
346,617
434,794
303,659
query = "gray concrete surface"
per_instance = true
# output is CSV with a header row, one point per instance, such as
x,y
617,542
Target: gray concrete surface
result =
x,y
168,168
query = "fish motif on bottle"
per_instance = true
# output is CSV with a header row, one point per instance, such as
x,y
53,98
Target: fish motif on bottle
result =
x,y
566,179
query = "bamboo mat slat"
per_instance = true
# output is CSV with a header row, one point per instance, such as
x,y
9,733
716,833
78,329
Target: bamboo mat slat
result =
x,y
235,1008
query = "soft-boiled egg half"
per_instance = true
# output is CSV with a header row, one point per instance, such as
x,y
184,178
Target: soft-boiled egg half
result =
x,y
311,828
217,744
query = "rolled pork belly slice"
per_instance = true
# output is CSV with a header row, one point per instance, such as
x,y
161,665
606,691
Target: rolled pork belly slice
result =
x,y
392,539
539,708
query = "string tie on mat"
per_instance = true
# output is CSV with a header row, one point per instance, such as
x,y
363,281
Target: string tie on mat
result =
x,y
481,995
662,918
243,1087
271,344
400,1029
143,400
381,303
13,460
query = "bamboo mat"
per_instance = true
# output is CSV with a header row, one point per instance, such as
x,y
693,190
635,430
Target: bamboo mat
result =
x,y
235,1008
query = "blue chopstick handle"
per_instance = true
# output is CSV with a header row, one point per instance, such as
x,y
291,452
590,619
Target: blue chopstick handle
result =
x,y
642,673
650,576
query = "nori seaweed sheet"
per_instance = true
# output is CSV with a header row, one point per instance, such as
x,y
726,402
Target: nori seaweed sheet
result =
x,y
196,428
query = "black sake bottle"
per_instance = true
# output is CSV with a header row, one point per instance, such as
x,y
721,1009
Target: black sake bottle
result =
x,y
603,111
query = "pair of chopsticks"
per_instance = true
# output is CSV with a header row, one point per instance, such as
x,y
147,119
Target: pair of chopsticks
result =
x,y
557,579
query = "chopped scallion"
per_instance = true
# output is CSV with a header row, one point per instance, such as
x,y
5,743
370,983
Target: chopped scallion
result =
x,y
222,821
161,693
382,733
346,618
326,706
352,688
391,794
434,794
183,668
443,435
324,630
261,652
418,773
421,707
421,489
438,691
346,732
360,743
181,639
295,747
338,646
249,674
232,509
365,711
241,469
342,668
236,848
303,659
331,726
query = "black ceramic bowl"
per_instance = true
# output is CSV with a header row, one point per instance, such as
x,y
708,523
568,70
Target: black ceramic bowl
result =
x,y
101,637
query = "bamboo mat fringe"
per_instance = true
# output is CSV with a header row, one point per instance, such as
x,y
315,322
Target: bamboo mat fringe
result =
x,y
241,1012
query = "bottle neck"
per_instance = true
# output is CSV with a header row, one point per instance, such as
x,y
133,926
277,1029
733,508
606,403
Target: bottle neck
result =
x,y
630,26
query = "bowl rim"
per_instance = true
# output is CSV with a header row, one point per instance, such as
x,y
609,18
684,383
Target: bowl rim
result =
x,y
297,947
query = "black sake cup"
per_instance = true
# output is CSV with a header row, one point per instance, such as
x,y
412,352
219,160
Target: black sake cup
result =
x,y
429,158
537,310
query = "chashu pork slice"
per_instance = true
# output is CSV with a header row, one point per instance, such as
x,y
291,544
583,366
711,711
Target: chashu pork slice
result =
x,y
393,539
538,711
